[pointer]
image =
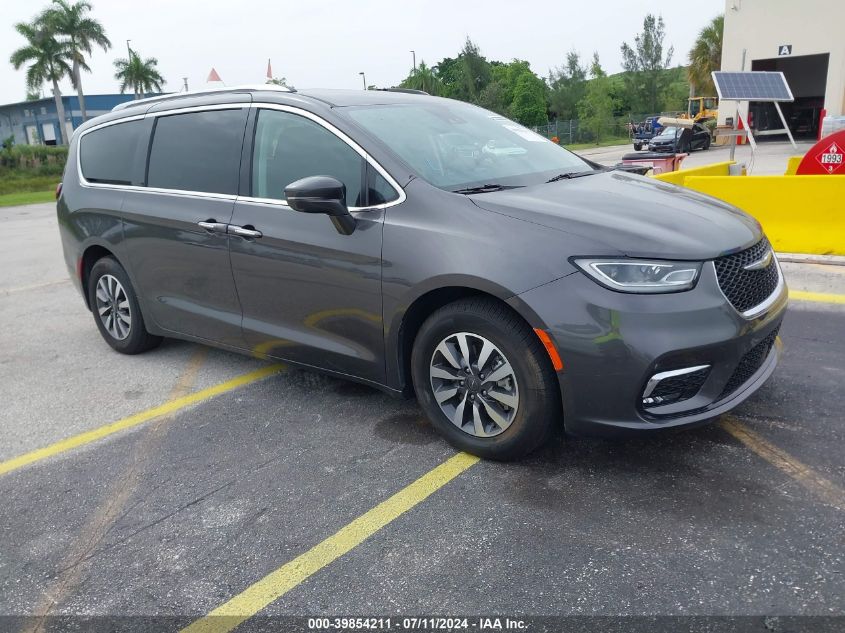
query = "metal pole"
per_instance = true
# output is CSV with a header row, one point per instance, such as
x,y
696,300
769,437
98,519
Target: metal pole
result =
x,y
185,79
785,125
364,79
736,116
129,50
414,57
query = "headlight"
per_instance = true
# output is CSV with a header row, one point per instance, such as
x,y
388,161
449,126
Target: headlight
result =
x,y
640,275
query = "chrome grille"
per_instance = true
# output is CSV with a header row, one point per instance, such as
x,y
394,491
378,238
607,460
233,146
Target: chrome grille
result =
x,y
747,288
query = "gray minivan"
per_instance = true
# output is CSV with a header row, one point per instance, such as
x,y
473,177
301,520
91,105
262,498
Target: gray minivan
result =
x,y
423,246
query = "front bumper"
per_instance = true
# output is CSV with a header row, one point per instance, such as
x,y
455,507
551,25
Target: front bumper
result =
x,y
612,343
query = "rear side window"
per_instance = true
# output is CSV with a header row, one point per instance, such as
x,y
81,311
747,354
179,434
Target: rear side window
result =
x,y
108,155
289,147
198,151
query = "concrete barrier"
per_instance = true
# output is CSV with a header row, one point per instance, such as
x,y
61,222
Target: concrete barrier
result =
x,y
800,214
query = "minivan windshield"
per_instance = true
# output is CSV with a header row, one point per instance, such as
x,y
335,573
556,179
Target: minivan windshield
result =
x,y
457,146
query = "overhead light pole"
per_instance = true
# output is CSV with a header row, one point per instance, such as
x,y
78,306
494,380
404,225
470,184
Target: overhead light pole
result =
x,y
364,79
414,58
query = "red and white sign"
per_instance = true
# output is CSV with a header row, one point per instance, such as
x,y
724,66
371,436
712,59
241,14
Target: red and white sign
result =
x,y
831,158
826,157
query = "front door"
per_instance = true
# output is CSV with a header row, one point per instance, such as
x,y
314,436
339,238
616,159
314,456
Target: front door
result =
x,y
175,228
309,294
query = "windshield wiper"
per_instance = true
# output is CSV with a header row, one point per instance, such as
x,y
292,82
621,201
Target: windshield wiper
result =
x,y
485,188
572,174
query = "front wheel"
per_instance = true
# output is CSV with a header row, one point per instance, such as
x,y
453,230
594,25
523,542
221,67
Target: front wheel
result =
x,y
637,147
485,380
116,310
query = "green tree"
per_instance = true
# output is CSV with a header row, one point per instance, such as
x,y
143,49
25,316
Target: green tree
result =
x,y
567,84
424,78
81,33
140,75
475,70
645,63
450,73
705,57
596,108
529,100
47,59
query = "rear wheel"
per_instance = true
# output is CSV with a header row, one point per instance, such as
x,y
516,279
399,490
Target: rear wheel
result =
x,y
116,311
637,147
707,143
485,380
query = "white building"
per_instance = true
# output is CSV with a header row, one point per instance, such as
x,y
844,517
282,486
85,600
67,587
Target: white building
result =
x,y
806,41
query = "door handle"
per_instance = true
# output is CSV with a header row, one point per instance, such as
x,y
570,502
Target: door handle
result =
x,y
213,227
244,232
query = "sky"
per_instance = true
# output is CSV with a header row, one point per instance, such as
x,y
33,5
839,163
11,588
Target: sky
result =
x,y
327,44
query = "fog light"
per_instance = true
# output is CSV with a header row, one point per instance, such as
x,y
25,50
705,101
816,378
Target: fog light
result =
x,y
677,385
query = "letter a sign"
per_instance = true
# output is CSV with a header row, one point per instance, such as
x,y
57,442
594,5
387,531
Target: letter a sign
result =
x,y
784,49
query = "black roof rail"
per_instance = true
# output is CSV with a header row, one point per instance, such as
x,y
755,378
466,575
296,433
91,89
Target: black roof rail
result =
x,y
203,91
410,91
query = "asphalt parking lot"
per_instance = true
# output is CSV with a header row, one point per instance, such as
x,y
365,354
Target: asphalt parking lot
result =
x,y
253,474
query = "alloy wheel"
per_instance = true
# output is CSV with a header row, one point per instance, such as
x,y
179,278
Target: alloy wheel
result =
x,y
113,307
474,384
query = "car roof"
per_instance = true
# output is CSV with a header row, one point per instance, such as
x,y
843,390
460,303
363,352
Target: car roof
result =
x,y
326,98
340,98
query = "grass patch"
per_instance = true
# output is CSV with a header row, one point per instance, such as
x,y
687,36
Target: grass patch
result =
x,y
28,197
19,183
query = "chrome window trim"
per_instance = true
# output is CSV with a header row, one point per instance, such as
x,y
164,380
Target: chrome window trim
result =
x,y
656,379
225,196
155,190
401,196
763,306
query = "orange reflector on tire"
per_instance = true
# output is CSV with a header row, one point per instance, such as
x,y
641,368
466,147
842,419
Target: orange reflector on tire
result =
x,y
557,363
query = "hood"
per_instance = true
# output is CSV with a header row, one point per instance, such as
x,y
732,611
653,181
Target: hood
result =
x,y
633,215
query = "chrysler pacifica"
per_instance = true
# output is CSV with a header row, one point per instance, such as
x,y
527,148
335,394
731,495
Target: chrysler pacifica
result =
x,y
423,246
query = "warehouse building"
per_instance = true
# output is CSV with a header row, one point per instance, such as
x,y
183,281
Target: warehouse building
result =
x,y
37,122
804,40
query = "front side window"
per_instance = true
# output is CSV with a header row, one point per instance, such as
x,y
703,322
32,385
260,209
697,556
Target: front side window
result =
x,y
108,154
454,145
197,151
289,147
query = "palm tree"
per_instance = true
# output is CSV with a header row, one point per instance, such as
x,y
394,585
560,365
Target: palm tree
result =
x,y
706,56
423,78
82,32
47,58
141,75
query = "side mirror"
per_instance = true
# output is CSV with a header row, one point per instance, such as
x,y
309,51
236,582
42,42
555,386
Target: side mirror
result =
x,y
322,194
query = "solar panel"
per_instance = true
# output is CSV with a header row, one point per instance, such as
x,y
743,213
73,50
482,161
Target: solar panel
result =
x,y
752,86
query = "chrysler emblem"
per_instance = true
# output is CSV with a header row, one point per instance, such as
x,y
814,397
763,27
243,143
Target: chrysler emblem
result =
x,y
761,263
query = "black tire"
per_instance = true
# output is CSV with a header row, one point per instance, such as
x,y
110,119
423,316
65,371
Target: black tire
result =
x,y
539,407
637,147
707,143
137,339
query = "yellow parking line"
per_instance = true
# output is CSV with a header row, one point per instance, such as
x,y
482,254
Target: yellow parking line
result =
x,y
823,488
273,586
93,435
818,297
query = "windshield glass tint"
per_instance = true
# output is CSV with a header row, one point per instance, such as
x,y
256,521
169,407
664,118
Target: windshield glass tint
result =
x,y
454,145
670,132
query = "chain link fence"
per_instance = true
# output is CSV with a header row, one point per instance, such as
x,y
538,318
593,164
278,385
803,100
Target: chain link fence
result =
x,y
575,131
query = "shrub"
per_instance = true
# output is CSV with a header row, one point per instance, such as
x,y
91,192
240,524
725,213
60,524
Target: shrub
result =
x,y
32,160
